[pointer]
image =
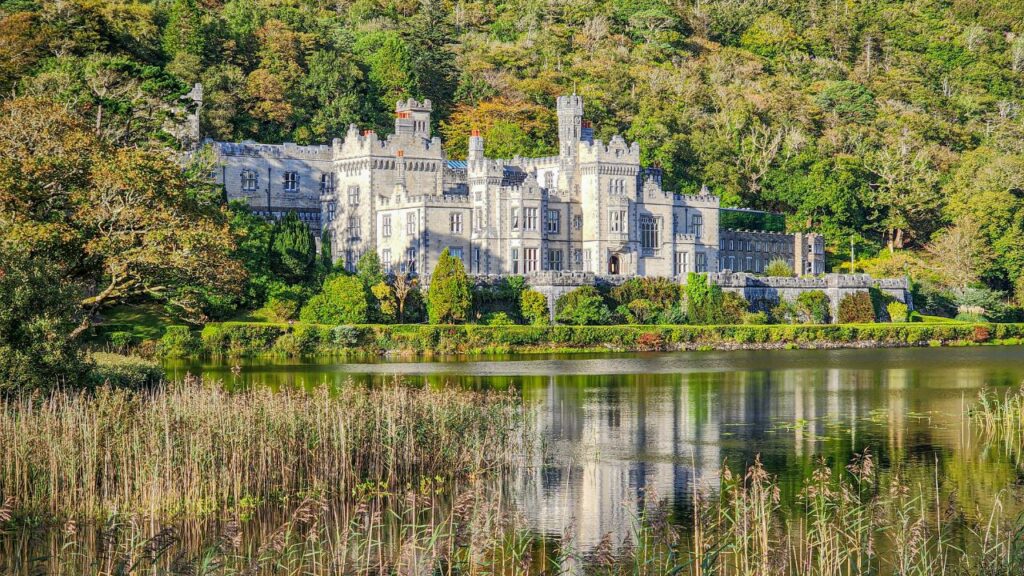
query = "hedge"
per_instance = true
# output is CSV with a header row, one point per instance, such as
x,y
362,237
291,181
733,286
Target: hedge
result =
x,y
298,339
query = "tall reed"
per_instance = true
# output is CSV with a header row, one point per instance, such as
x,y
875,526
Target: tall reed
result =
x,y
192,449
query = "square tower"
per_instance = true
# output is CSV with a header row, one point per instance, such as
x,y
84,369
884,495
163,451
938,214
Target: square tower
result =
x,y
413,117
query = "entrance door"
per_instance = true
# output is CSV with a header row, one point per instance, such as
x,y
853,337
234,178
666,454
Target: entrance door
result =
x,y
613,265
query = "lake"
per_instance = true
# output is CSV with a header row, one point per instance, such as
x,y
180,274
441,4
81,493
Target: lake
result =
x,y
615,429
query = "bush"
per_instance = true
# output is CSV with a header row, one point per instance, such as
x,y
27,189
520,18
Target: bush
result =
x,y
734,307
650,342
345,336
534,307
785,312
342,301
498,319
122,341
754,318
284,302
124,371
662,293
897,311
641,311
583,306
703,300
778,267
856,309
813,307
449,297
178,342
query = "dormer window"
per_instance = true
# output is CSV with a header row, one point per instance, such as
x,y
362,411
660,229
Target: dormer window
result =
x,y
291,181
250,181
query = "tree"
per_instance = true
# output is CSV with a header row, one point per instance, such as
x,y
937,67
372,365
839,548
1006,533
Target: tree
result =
x,y
342,301
959,254
856,308
813,307
408,298
534,307
583,306
368,269
778,267
450,295
38,314
387,304
703,300
293,250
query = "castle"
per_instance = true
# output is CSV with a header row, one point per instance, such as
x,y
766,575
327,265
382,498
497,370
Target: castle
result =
x,y
591,208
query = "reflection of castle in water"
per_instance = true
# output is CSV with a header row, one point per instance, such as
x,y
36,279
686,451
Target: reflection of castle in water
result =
x,y
612,441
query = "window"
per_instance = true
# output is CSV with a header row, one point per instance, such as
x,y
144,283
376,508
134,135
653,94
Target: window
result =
x,y
455,223
757,247
732,245
650,234
551,221
410,223
682,263
577,222
618,220
702,262
353,195
515,260
549,180
732,263
330,211
697,225
353,228
478,218
410,259
515,218
588,261
250,180
326,183
476,260
529,218
749,264
385,225
350,262
577,259
531,259
455,252
554,259
385,260
291,181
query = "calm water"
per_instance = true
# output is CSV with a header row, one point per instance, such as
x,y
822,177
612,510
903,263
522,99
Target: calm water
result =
x,y
618,428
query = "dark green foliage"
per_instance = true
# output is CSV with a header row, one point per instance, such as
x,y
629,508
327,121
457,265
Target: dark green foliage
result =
x,y
449,298
703,300
814,307
292,250
38,315
501,296
751,220
856,309
124,371
583,306
734,307
179,342
253,236
342,301
662,293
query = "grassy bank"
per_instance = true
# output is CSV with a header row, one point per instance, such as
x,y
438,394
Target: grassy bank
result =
x,y
253,339
189,450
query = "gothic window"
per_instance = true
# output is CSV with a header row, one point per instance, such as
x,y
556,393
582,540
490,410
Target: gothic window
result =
x,y
552,221
588,260
531,260
250,180
650,233
682,263
515,218
353,195
478,218
618,220
455,222
577,222
702,262
530,218
515,260
410,259
385,226
291,181
697,225
577,259
410,223
330,211
476,260
549,180
385,260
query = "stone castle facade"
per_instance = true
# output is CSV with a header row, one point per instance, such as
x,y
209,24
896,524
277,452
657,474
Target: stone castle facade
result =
x,y
591,208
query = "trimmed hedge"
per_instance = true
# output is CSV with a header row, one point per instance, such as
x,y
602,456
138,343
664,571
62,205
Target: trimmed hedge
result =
x,y
250,339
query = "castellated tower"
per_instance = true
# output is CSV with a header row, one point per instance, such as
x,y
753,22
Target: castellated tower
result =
x,y
570,124
412,117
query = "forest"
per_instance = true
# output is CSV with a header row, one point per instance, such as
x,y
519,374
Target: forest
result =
x,y
893,127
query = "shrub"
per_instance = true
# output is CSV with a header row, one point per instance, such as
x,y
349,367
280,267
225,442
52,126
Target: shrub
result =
x,y
641,311
778,267
650,342
345,336
813,307
856,308
498,319
703,300
972,317
534,307
122,341
754,318
449,297
342,301
981,334
386,303
734,307
897,311
583,306
178,342
124,371
785,312
662,293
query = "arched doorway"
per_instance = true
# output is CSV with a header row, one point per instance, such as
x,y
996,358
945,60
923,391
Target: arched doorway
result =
x,y
613,265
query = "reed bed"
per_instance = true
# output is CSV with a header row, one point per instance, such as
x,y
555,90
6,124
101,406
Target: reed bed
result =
x,y
999,420
192,449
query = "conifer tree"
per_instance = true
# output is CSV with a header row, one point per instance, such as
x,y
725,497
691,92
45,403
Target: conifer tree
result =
x,y
449,297
293,250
